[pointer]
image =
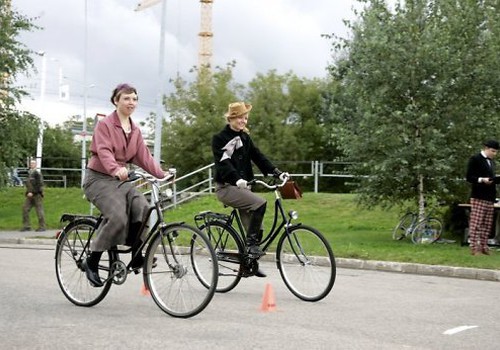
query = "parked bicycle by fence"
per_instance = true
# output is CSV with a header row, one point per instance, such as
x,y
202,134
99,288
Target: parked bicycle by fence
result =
x,y
422,231
304,257
173,251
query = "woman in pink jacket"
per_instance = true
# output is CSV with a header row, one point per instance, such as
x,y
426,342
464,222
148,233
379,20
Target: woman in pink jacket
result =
x,y
116,142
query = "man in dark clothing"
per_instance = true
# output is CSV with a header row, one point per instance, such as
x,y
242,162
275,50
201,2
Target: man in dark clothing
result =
x,y
34,198
481,175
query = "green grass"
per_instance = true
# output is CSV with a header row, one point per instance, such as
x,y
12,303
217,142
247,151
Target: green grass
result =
x,y
352,231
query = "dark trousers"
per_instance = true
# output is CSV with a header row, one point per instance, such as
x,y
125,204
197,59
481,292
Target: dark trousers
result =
x,y
35,201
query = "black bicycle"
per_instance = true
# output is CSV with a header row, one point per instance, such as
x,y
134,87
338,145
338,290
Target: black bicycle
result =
x,y
173,251
303,255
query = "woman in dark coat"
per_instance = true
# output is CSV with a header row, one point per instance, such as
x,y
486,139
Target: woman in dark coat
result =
x,y
234,152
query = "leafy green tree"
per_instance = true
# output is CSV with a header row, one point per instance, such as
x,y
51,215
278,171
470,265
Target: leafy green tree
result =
x,y
418,93
288,116
18,131
196,112
60,150
15,57
286,120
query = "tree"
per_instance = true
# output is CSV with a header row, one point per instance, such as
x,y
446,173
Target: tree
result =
x,y
60,149
417,95
287,117
196,112
18,131
15,57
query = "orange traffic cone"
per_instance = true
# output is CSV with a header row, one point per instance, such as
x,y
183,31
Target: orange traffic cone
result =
x,y
145,290
268,301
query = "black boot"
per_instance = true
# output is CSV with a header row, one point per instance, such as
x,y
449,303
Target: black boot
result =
x,y
91,267
259,272
137,257
133,233
254,232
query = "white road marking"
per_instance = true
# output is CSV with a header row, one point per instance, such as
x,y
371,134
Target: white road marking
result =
x,y
458,329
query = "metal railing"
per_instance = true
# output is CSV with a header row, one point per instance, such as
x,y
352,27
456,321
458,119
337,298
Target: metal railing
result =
x,y
180,193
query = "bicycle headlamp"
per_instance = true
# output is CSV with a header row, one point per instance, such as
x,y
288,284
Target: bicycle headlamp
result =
x,y
293,214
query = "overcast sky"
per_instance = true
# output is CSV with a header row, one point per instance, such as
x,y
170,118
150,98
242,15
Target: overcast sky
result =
x,y
123,45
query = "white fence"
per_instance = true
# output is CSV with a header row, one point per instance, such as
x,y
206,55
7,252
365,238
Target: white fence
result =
x,y
180,193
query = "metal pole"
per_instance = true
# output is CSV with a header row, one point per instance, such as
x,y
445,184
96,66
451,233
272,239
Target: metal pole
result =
x,y
161,67
85,87
316,176
39,144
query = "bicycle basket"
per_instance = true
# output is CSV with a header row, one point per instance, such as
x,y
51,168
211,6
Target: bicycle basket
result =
x,y
291,190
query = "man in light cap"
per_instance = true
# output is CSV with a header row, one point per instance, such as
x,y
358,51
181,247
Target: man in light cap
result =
x,y
481,176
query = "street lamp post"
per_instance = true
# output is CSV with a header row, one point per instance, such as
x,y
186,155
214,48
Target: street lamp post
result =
x,y
161,70
43,77
85,88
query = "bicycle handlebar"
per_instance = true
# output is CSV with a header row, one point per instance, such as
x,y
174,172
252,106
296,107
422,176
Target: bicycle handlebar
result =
x,y
265,184
136,174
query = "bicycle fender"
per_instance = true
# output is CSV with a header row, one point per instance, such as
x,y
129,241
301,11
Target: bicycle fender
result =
x,y
293,226
72,217
175,223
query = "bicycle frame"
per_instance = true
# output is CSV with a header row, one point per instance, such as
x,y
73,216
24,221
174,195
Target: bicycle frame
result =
x,y
178,262
158,225
270,236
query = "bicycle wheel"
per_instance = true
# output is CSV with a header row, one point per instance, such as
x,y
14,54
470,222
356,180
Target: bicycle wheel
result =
x,y
427,231
173,283
404,226
71,250
228,249
306,263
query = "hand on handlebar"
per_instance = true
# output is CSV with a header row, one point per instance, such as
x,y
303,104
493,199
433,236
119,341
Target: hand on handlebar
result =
x,y
284,176
171,172
122,174
242,183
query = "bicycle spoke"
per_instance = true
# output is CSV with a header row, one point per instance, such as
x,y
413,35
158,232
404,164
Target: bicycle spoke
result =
x,y
306,263
173,283
70,251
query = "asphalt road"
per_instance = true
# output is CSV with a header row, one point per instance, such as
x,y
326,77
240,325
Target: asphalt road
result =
x,y
366,310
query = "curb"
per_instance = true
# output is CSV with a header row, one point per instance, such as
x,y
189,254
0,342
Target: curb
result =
x,y
421,269
375,265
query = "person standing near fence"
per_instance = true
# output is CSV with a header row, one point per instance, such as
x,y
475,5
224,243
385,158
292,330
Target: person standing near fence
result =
x,y
481,176
34,198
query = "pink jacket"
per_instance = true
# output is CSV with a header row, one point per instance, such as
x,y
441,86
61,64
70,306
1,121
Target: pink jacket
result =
x,y
111,149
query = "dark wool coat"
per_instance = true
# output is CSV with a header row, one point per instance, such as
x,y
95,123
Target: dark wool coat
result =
x,y
478,167
34,182
234,153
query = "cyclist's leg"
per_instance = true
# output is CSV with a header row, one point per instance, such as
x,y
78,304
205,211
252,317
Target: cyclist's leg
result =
x,y
138,209
244,199
254,231
91,267
111,201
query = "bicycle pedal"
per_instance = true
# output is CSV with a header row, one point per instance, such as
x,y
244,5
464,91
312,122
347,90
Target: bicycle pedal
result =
x,y
255,256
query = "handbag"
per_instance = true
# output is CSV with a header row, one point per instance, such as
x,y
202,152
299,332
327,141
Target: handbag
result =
x,y
290,190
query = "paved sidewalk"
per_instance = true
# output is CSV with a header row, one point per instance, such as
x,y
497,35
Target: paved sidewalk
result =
x,y
48,238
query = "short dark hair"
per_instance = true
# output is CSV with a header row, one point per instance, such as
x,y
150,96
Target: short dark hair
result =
x,y
120,89
492,144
